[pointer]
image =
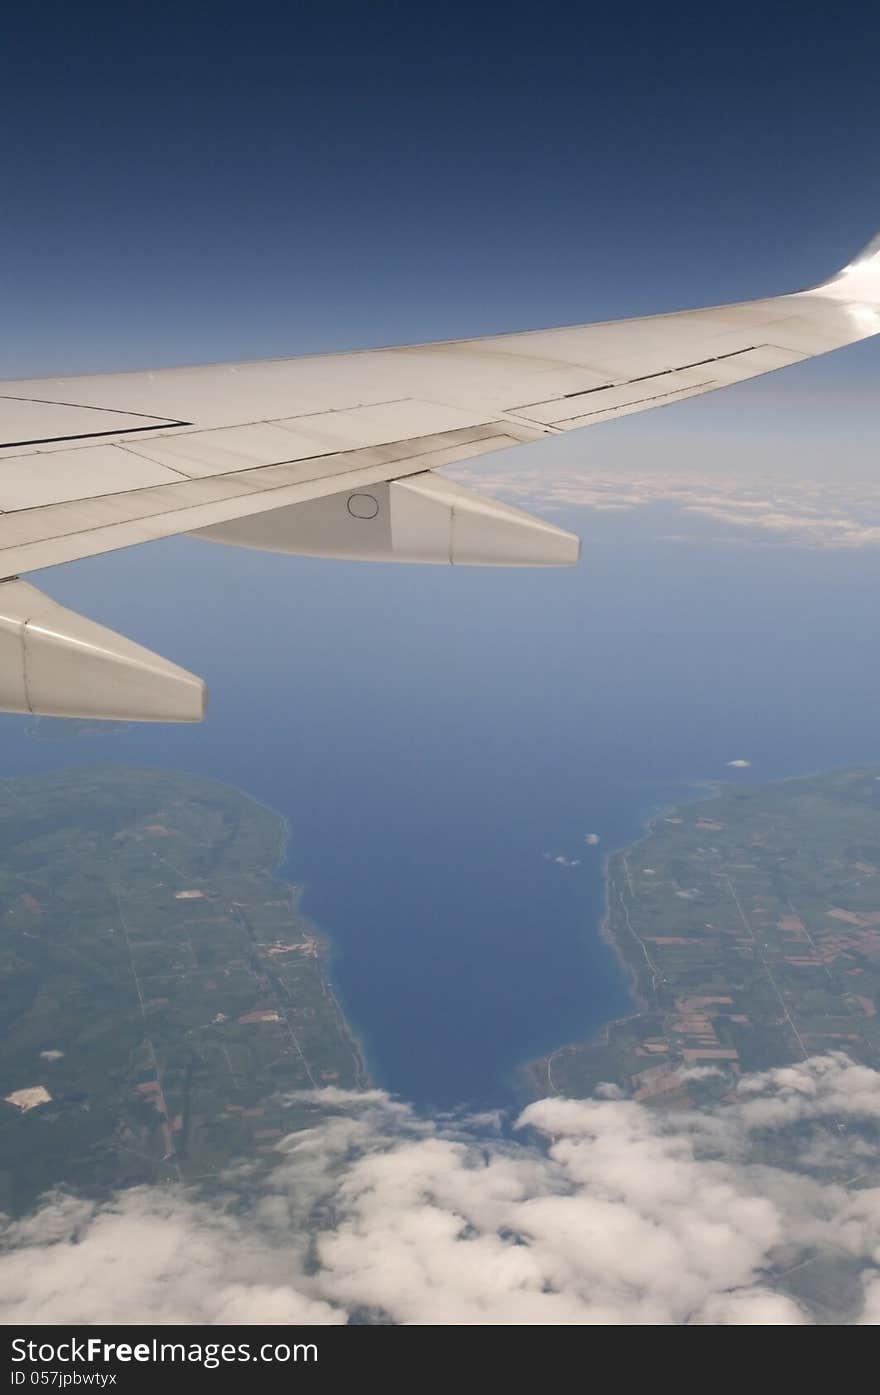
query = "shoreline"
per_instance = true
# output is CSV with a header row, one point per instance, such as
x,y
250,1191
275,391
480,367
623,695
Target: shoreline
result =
x,y
277,865
526,1073
153,999
712,789
326,948
278,870
718,986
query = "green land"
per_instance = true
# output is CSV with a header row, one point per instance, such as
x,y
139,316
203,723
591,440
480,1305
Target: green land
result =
x,y
162,1000
750,926
161,997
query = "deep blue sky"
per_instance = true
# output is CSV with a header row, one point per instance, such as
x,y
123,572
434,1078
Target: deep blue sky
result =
x,y
184,182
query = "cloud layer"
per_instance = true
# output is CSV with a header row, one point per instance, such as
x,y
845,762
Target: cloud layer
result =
x,y
823,512
601,1211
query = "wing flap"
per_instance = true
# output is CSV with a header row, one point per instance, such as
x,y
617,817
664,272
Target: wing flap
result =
x,y
575,409
34,538
229,449
32,481
224,450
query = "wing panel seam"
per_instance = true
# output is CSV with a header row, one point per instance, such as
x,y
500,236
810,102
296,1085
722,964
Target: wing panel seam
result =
x,y
642,378
155,425
436,443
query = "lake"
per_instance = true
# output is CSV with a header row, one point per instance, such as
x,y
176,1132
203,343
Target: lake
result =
x,y
438,738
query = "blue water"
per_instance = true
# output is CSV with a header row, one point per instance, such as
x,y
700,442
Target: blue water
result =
x,y
431,734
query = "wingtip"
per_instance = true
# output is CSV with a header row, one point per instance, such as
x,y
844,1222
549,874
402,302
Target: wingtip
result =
x,y
869,253
858,280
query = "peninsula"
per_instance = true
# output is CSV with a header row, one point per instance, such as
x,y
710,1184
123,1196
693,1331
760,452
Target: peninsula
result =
x,y
162,1000
750,927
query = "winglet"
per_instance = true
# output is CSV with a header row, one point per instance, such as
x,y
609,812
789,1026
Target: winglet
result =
x,y
858,280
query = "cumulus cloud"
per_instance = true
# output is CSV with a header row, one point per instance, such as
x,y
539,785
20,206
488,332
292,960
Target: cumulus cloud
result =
x,y
152,1255
758,1210
822,512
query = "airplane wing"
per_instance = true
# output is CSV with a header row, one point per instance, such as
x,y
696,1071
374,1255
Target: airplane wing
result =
x,y
334,455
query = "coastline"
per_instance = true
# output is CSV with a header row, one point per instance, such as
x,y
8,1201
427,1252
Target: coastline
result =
x,y
711,790
528,1074
280,869
191,965
749,942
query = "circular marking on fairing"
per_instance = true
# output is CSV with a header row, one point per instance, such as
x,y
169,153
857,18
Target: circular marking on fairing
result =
x,y
363,505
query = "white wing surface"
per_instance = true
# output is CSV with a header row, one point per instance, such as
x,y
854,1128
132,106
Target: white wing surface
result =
x,y
319,454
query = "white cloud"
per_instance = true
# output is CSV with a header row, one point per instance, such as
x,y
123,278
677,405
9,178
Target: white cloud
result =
x,y
598,1211
153,1255
562,860
755,1307
823,512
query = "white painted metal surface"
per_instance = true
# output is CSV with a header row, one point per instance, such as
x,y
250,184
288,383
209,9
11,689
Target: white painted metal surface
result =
x,y
93,463
56,662
31,482
422,519
27,422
